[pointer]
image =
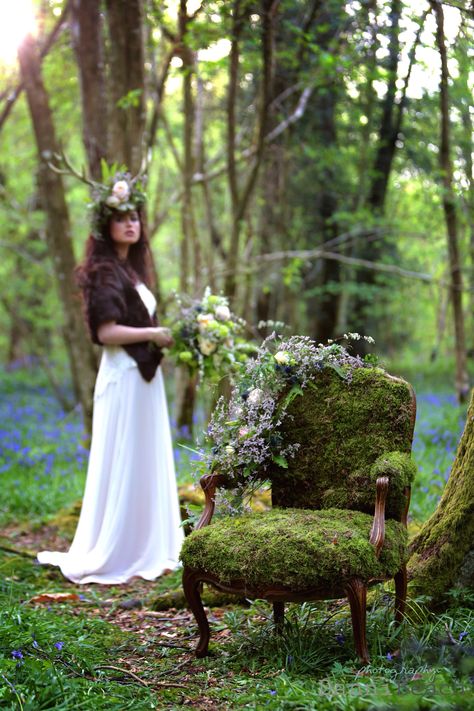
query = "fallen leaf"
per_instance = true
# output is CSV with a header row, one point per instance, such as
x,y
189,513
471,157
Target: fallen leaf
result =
x,y
55,597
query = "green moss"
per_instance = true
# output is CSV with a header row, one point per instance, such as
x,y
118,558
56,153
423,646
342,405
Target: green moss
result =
x,y
344,428
296,548
442,550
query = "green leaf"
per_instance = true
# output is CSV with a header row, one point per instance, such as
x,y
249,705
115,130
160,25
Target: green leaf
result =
x,y
280,460
295,391
340,371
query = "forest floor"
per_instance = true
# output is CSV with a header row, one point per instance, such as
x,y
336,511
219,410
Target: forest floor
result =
x,y
64,646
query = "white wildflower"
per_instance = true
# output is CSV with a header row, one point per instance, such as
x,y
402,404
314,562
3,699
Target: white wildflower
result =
x,y
255,396
282,358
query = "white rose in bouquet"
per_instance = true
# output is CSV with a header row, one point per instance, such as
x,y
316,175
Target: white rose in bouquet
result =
x,y
206,346
204,320
222,313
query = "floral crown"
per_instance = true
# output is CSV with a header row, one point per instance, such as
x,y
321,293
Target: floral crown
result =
x,y
119,193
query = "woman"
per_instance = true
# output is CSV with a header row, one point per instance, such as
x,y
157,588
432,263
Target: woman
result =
x,y
129,523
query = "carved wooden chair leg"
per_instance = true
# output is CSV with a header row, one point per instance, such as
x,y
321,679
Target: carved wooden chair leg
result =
x,y
401,582
279,615
356,591
191,588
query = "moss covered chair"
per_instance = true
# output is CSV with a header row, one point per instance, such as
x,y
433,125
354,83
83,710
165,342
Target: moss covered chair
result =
x,y
339,512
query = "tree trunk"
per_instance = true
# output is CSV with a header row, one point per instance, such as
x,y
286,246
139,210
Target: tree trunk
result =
x,y
449,205
466,145
323,280
126,82
442,554
189,233
240,199
58,233
87,40
186,387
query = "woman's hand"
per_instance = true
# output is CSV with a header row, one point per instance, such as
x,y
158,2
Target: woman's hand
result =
x,y
114,334
161,336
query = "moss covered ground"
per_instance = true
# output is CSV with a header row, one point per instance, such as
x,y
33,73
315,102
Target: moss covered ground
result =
x,y
99,647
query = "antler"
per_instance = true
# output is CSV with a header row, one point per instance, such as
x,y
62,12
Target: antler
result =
x,y
143,167
70,170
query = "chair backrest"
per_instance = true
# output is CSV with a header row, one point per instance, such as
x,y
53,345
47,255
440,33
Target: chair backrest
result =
x,y
343,427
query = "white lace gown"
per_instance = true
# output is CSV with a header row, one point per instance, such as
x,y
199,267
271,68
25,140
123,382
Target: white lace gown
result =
x,y
130,521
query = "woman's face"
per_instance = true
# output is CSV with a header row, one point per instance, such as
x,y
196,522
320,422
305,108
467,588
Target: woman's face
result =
x,y
125,229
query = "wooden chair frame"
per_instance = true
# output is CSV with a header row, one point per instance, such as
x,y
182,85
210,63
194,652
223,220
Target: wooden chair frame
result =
x,y
355,589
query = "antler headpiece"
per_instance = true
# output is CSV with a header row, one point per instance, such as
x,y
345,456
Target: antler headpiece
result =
x,y
119,191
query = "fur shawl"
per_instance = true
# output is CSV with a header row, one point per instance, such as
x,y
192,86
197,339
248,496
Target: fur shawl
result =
x,y
110,295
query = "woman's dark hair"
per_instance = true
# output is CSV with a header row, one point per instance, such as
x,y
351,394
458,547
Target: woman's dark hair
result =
x,y
101,249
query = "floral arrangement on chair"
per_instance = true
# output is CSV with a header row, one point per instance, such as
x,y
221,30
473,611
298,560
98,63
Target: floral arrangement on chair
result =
x,y
244,435
208,337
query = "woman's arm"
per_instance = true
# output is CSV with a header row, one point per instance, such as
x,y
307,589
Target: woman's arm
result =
x,y
114,334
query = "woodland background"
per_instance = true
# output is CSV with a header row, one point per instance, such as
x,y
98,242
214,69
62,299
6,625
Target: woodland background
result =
x,y
313,160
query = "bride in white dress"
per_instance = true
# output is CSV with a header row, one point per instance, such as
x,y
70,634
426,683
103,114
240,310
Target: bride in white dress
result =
x,y
130,521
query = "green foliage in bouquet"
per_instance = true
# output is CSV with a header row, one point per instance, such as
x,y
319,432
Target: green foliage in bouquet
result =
x,y
208,337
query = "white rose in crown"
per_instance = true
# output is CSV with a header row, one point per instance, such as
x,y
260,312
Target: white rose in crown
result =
x,y
206,347
222,313
282,358
112,201
255,396
121,190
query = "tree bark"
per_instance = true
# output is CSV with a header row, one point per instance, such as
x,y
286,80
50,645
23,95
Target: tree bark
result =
x,y
58,233
126,82
442,554
87,40
449,206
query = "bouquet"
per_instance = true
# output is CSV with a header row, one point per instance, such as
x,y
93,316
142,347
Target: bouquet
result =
x,y
208,338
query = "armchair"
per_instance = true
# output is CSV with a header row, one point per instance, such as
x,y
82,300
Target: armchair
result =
x,y
339,511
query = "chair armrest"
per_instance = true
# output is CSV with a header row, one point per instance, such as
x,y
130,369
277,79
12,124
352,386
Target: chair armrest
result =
x,y
209,484
377,533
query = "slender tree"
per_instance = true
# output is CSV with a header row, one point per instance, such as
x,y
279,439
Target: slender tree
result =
x,y
81,355
240,196
449,206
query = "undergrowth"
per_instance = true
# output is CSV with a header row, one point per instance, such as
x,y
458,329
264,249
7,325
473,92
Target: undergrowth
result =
x,y
91,654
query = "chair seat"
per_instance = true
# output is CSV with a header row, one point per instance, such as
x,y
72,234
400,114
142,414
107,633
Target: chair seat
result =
x,y
298,549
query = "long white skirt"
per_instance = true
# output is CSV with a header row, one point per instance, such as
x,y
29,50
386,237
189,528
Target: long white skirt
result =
x,y
130,522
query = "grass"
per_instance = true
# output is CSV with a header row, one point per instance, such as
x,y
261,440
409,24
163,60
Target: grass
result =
x,y
105,649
